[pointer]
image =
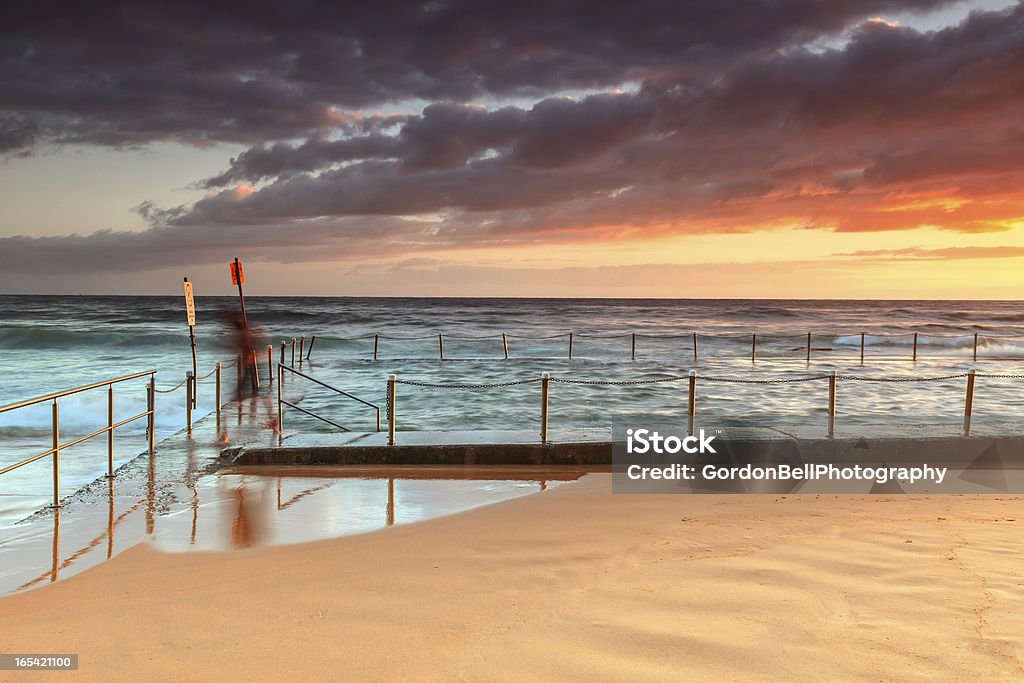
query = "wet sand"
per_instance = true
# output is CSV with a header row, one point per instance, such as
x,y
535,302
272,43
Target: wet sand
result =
x,y
570,584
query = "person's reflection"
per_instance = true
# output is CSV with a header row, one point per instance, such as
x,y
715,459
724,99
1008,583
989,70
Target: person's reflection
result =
x,y
248,527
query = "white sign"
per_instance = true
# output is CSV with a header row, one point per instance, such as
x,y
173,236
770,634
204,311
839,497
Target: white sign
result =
x,y
190,304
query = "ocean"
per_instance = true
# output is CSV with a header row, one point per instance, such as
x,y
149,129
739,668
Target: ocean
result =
x,y
51,343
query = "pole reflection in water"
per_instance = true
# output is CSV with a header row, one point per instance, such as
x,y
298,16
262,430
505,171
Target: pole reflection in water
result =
x,y
391,501
56,545
151,495
110,519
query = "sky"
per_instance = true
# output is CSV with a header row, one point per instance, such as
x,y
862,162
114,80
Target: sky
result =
x,y
728,148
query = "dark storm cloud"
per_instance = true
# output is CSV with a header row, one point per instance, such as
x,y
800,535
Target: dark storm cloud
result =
x,y
821,138
734,121
122,73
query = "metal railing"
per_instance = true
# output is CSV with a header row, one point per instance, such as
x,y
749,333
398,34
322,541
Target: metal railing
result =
x,y
281,401
752,345
833,377
57,446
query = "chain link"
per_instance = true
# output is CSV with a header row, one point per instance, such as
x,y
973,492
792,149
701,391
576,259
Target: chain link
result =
x,y
207,375
530,336
496,385
174,388
619,383
858,378
783,380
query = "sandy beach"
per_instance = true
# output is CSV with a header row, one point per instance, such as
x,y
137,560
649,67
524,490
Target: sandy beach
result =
x,y
570,584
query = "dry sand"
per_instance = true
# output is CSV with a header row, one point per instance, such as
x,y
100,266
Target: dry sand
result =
x,y
571,584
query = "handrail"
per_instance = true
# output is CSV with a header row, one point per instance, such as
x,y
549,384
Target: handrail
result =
x,y
68,392
57,446
805,346
281,367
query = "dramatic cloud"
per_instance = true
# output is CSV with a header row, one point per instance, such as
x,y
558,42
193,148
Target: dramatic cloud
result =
x,y
523,124
132,72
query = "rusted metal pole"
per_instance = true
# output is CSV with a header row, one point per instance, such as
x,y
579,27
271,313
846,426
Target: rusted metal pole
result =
x,y
915,347
392,380
293,351
975,346
753,348
270,364
188,401
570,346
284,345
311,342
633,351
55,427
280,398
110,430
695,346
255,370
545,379
691,404
376,336
504,343
832,403
808,347
862,348
440,344
218,376
151,409
302,349
969,402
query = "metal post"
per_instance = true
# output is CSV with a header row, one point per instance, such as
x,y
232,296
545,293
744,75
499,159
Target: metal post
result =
x,y
862,348
695,347
691,408
808,347
392,380
545,378
110,430
969,403
832,404
255,370
218,375
270,364
188,401
55,415
570,346
633,351
440,344
302,349
293,351
975,346
504,343
280,404
753,348
151,409
311,342
283,345
376,340
241,297
915,347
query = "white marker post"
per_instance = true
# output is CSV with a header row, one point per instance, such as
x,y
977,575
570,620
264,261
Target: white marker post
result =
x,y
190,311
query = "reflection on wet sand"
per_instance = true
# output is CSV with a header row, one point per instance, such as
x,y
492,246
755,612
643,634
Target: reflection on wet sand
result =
x,y
252,506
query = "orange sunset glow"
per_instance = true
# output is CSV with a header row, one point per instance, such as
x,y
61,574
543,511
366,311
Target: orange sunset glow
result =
x,y
871,149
